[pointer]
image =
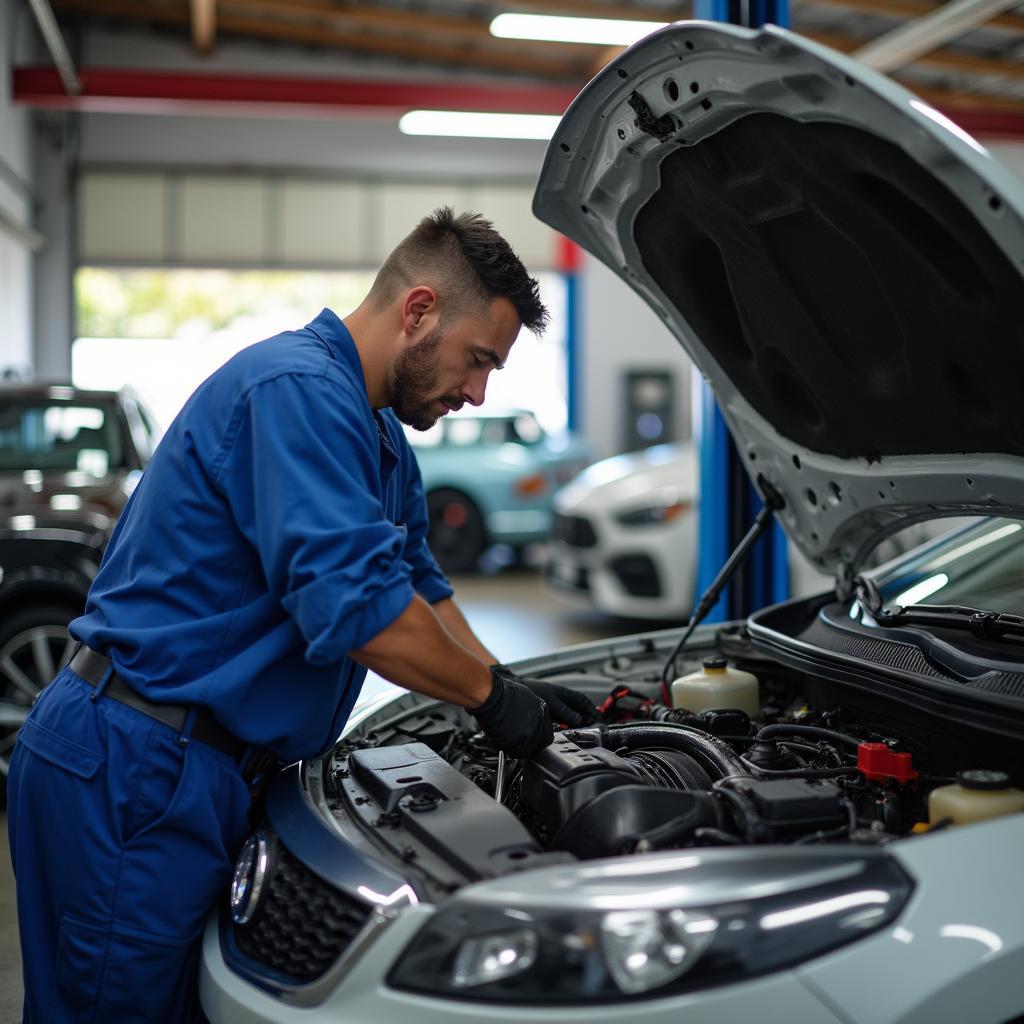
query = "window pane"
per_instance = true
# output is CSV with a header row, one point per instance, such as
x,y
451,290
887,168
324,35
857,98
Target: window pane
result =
x,y
60,436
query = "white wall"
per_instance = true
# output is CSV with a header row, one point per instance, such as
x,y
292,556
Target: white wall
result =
x,y
356,144
15,209
366,142
618,332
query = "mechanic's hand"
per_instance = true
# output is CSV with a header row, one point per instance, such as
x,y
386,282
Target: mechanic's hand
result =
x,y
564,705
514,717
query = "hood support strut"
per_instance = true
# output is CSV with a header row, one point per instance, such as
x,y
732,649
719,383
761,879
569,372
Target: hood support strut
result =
x,y
773,502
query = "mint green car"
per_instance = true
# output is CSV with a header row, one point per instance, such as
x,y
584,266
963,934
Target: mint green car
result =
x,y
489,479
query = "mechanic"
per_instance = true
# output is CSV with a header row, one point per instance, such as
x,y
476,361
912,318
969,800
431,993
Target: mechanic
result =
x,y
273,551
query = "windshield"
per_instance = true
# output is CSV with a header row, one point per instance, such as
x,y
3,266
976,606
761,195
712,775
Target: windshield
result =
x,y
979,566
48,435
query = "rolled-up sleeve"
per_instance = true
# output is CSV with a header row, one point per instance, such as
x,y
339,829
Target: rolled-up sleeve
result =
x,y
428,579
300,470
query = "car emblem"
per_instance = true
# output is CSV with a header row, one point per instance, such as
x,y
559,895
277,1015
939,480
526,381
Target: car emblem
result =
x,y
250,874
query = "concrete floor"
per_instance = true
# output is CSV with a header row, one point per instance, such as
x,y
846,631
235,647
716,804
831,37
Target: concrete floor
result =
x,y
511,612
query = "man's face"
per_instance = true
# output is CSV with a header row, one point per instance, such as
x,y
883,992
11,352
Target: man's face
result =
x,y
450,364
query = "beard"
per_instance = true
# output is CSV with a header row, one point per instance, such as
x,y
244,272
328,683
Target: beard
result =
x,y
413,385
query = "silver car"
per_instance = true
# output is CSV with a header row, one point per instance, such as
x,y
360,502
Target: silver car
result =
x,y
841,844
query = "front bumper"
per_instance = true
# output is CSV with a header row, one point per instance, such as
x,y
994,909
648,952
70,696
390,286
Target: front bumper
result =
x,y
627,575
363,995
955,954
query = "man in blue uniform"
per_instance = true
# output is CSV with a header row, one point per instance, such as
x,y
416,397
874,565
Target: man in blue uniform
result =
x,y
274,550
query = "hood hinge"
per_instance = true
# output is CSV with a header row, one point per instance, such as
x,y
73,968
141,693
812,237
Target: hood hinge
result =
x,y
844,581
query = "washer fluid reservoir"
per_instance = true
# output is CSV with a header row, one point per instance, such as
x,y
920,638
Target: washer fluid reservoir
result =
x,y
714,686
976,795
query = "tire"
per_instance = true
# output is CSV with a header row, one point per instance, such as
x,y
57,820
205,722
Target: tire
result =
x,y
457,535
34,647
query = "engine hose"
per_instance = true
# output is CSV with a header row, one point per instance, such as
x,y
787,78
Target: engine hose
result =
x,y
813,731
711,754
798,773
748,821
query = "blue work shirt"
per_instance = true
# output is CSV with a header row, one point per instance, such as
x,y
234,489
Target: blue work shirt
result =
x,y
280,525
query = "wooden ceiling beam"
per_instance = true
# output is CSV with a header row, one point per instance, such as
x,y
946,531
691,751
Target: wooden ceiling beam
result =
x,y
957,99
508,60
347,14
589,9
942,60
176,13
906,9
386,19
555,61
204,24
395,34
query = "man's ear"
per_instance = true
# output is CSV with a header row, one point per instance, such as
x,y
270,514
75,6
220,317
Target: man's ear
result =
x,y
418,303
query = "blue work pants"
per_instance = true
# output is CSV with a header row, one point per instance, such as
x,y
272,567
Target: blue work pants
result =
x,y
122,839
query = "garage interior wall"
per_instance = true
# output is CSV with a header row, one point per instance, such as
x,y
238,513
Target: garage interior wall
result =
x,y
280,220
286,178
16,214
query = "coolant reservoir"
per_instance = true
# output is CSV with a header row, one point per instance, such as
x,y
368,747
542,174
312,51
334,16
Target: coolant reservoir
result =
x,y
715,685
977,795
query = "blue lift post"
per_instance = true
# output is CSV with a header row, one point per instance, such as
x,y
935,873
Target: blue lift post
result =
x,y
728,502
569,258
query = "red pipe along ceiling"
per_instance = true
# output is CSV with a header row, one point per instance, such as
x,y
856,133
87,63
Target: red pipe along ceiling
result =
x,y
118,90
172,92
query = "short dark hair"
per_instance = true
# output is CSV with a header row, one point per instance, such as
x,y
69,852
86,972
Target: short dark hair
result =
x,y
469,261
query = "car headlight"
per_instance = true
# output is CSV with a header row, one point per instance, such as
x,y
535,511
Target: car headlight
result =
x,y
602,949
652,514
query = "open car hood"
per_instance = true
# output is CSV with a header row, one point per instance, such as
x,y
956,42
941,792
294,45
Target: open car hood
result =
x,y
842,263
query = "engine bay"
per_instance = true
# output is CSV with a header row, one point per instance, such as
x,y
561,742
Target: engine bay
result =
x,y
821,762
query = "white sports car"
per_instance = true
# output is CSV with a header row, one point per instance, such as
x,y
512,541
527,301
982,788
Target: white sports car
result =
x,y
813,815
624,533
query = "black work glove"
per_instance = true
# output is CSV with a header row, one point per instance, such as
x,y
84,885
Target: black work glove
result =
x,y
564,705
514,717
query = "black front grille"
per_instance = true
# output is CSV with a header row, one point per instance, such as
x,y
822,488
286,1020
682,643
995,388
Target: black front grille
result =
x,y
574,531
638,575
303,924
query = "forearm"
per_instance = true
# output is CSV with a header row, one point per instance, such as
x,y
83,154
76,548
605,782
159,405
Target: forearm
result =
x,y
419,652
455,622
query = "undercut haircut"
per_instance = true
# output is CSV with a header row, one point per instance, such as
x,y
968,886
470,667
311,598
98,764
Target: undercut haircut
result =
x,y
469,264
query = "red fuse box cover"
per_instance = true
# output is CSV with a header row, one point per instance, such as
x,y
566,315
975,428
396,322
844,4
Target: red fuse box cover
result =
x,y
878,763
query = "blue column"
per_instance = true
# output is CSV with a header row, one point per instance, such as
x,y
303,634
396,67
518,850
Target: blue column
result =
x,y
715,536
758,12
723,487
572,348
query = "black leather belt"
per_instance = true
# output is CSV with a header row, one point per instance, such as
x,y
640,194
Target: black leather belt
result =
x,y
92,667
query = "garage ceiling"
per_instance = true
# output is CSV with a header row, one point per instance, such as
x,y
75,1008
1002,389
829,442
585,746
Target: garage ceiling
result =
x,y
981,68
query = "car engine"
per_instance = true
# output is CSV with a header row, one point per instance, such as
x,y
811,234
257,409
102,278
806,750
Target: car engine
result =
x,y
820,763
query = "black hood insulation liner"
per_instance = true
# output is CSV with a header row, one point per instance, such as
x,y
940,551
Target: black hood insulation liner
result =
x,y
806,254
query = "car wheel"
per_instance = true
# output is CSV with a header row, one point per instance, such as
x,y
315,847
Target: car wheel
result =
x,y
457,536
34,646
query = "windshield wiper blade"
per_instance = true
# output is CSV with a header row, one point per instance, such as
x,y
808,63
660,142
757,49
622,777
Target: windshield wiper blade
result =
x,y
982,623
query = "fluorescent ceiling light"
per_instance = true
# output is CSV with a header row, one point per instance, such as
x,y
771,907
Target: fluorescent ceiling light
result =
x,y
467,124
602,31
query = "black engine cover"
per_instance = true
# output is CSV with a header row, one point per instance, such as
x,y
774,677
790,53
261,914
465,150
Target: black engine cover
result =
x,y
564,777
795,805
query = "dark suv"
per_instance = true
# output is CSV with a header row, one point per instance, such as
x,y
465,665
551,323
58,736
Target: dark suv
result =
x,y
69,460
